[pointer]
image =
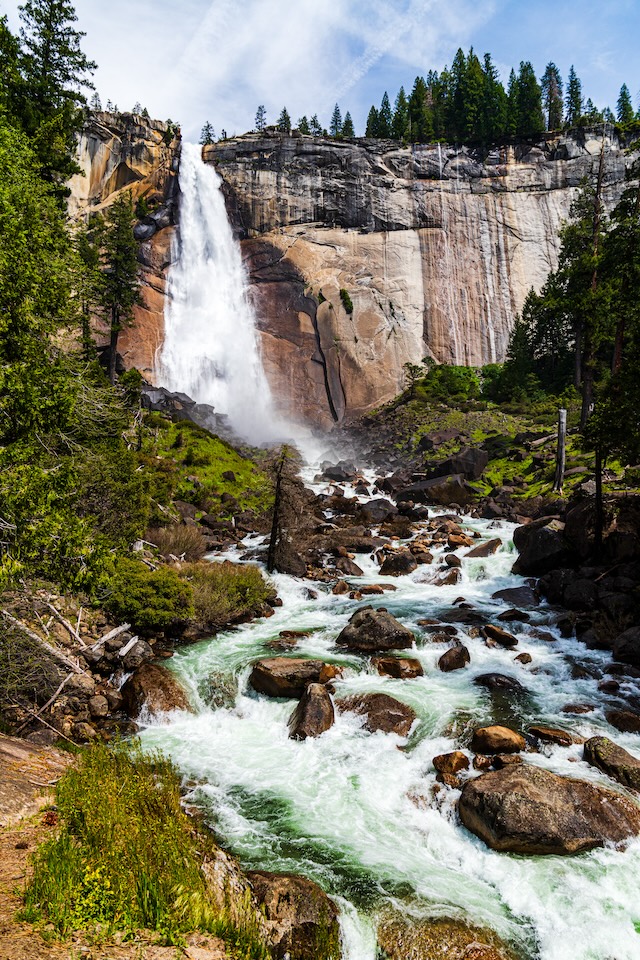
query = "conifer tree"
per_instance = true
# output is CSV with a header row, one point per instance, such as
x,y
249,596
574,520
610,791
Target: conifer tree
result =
x,y
119,264
551,85
207,135
372,123
400,124
11,83
573,99
472,97
347,126
420,118
335,128
624,105
456,107
315,127
493,117
96,103
260,121
303,126
385,117
284,121
591,112
530,117
513,115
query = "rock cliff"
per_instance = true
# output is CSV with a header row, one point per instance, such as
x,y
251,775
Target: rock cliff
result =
x,y
127,152
436,248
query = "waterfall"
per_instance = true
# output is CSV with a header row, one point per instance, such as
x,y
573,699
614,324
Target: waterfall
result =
x,y
210,349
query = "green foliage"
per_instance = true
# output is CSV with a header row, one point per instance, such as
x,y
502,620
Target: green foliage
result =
x,y
573,99
346,300
551,85
303,126
128,858
207,135
261,118
151,600
284,121
449,383
347,126
225,592
335,128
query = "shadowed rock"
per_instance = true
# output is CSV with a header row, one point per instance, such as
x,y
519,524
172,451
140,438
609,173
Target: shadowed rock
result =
x,y
289,677
313,715
398,564
155,688
401,668
613,760
300,919
454,659
381,712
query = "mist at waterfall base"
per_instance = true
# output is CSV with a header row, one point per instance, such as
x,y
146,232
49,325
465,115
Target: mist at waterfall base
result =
x,y
211,350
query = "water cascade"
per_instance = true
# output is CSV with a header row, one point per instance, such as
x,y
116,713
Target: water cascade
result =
x,y
211,350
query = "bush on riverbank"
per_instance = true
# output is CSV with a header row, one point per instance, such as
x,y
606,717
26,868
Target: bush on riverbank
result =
x,y
127,857
225,592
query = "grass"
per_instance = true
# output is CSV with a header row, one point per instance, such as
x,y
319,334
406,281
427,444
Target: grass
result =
x,y
225,592
191,464
127,858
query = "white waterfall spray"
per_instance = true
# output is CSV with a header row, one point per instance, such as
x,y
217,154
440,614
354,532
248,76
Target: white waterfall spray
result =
x,y
210,349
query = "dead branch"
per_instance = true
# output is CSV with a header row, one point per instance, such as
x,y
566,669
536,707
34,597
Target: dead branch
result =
x,y
52,651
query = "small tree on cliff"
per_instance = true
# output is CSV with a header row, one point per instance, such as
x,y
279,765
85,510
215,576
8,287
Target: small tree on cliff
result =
x,y
207,135
347,126
336,122
261,118
119,265
284,121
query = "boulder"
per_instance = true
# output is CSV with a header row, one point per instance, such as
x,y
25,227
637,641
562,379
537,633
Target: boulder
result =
x,y
526,809
348,567
517,596
153,687
499,636
486,549
541,545
626,646
377,511
341,588
513,616
523,658
449,765
624,720
499,682
497,739
399,563
300,920
613,760
401,668
470,463
439,490
452,561
438,938
313,715
370,631
454,659
341,472
289,677
139,653
381,712
561,738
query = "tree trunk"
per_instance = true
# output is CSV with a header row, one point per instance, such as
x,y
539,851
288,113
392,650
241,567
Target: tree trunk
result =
x,y
561,452
113,348
599,507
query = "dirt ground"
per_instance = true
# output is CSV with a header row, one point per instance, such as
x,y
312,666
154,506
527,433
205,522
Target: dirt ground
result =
x,y
28,774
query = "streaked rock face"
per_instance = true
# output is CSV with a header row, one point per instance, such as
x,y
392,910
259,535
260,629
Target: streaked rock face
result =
x,y
437,250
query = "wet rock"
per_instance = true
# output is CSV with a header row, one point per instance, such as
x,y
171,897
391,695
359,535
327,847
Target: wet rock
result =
x,y
626,647
518,596
485,549
289,677
448,579
523,658
374,589
541,545
624,720
301,921
454,659
381,712
370,631
342,472
155,688
499,636
578,708
526,809
513,616
377,511
406,938
340,588
452,561
313,715
398,564
613,760
449,765
500,682
440,490
141,652
501,760
349,567
497,739
561,738
401,668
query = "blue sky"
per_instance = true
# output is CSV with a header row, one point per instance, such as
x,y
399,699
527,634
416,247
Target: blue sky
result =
x,y
196,60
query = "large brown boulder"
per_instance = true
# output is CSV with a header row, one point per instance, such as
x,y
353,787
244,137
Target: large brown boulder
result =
x,y
613,760
455,658
313,715
499,636
381,712
525,809
398,564
289,677
441,938
370,631
486,549
497,739
301,921
402,668
155,689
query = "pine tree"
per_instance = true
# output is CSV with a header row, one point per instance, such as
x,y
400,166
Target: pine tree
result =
x,y
347,126
493,117
624,105
400,124
260,121
573,99
96,103
513,114
385,117
55,72
284,121
303,126
473,91
455,100
372,123
119,263
530,116
12,93
551,84
207,135
145,113
137,109
109,107
335,128
314,126
591,112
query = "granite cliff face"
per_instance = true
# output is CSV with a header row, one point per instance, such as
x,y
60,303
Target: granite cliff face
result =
x,y
126,152
436,248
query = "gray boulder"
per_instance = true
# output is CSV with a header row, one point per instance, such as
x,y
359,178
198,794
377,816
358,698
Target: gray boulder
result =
x,y
373,631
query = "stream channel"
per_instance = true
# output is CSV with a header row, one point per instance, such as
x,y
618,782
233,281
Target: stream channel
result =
x,y
357,812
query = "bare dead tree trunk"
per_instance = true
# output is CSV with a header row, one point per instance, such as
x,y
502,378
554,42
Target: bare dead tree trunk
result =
x,y
113,346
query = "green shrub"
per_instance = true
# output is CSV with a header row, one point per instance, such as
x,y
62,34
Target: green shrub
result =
x,y
127,857
225,592
150,600
178,540
346,301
